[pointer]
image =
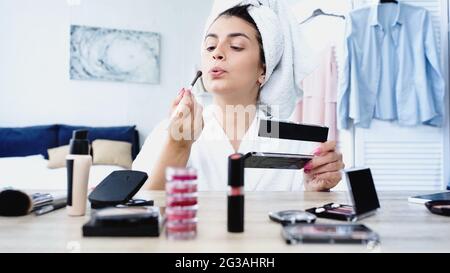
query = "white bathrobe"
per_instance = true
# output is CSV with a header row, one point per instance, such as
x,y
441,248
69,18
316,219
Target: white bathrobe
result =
x,y
209,155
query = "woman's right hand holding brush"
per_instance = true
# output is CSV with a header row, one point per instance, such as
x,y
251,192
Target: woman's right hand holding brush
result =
x,y
186,123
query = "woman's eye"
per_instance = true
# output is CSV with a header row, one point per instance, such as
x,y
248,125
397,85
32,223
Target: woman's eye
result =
x,y
210,48
237,48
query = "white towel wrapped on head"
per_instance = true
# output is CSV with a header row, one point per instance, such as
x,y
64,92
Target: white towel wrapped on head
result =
x,y
273,39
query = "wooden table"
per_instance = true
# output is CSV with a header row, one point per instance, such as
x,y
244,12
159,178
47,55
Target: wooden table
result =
x,y
402,226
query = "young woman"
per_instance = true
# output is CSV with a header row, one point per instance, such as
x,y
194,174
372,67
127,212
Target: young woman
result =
x,y
234,69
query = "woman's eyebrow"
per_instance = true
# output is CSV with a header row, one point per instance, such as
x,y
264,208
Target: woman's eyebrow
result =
x,y
211,35
231,35
238,34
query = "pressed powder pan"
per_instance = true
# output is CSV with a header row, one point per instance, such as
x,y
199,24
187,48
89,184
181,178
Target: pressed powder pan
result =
x,y
440,207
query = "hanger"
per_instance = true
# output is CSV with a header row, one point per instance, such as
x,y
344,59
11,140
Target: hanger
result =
x,y
388,1
318,12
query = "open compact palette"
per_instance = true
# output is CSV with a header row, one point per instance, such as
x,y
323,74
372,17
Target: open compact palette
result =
x,y
363,196
440,207
334,211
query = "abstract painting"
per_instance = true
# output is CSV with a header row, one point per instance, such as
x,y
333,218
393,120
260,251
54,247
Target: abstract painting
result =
x,y
114,55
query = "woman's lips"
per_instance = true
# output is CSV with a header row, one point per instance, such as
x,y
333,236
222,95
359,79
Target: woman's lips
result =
x,y
217,72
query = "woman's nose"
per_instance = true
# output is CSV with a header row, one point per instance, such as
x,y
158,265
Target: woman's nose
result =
x,y
218,57
218,54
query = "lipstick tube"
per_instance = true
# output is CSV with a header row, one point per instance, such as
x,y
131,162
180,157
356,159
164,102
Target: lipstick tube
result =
x,y
235,220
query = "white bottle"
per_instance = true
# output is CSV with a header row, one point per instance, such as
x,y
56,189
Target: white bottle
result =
x,y
78,164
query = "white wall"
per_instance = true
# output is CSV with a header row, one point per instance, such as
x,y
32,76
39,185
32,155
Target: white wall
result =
x,y
34,61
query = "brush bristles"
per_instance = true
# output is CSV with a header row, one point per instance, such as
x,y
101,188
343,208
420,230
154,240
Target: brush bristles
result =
x,y
198,75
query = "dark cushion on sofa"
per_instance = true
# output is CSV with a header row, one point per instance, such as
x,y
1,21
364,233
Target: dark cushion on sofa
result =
x,y
32,140
120,133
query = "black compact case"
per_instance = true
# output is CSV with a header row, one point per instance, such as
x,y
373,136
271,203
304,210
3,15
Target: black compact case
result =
x,y
118,188
292,131
363,196
127,221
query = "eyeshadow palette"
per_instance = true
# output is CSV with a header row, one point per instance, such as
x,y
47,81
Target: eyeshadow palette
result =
x,y
334,211
440,207
362,194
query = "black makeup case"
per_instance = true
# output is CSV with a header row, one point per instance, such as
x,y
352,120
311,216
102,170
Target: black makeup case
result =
x,y
118,188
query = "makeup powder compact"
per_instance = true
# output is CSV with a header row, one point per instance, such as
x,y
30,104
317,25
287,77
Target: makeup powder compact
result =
x,y
363,196
440,207
334,211
286,217
125,222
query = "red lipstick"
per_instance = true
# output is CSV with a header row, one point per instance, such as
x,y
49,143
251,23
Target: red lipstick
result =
x,y
235,219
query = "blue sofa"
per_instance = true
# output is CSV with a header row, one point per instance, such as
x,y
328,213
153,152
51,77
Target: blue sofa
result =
x,y
32,140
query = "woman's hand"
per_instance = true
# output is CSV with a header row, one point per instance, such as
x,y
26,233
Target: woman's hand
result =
x,y
185,126
186,121
323,171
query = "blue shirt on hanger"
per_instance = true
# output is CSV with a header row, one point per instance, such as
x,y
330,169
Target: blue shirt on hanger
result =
x,y
391,68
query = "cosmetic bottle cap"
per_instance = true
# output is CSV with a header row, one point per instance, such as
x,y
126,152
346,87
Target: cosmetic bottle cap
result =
x,y
236,170
79,144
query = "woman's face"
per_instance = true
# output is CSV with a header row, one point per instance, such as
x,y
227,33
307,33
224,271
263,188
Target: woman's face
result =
x,y
231,58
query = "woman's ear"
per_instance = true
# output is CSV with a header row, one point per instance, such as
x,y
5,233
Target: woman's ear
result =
x,y
262,78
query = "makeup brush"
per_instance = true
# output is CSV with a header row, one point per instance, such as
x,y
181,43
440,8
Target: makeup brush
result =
x,y
197,76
